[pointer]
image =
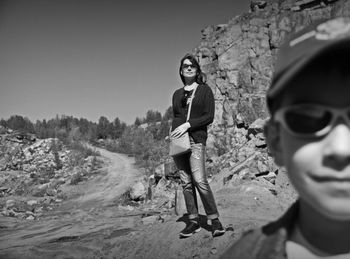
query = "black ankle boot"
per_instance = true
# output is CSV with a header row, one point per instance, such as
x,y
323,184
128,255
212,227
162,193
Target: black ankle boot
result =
x,y
191,228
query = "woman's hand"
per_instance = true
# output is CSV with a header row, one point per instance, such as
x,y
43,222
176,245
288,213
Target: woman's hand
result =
x,y
179,131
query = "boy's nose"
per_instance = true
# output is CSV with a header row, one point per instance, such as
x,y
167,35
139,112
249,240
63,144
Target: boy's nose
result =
x,y
337,146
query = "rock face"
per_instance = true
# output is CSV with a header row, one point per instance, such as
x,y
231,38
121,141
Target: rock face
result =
x,y
238,58
25,152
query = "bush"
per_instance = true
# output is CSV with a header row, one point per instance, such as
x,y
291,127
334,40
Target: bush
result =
x,y
55,147
144,144
77,177
79,152
82,149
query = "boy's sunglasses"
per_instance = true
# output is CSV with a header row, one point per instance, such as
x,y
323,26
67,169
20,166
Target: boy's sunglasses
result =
x,y
310,120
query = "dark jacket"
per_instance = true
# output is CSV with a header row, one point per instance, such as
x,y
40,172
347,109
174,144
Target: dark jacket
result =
x,y
202,112
267,242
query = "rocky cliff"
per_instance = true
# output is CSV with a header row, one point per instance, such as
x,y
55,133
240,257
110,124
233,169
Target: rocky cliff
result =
x,y
238,59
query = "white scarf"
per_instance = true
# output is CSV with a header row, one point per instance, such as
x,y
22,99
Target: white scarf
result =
x,y
191,86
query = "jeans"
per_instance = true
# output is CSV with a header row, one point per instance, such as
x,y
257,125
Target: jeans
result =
x,y
193,176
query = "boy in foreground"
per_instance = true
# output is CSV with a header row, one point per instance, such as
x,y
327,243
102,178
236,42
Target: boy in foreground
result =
x,y
309,134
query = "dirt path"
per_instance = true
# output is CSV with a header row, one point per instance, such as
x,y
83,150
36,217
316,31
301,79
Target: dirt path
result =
x,y
119,175
93,226
92,212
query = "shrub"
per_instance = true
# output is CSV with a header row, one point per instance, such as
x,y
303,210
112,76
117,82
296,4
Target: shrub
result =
x,y
77,178
55,148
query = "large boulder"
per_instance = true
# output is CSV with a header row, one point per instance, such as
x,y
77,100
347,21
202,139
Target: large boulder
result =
x,y
138,191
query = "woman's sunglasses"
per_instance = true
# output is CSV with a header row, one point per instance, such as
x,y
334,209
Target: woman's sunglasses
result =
x,y
186,66
310,120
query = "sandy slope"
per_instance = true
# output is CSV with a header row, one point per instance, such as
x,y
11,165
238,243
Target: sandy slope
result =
x,y
93,226
119,175
91,211
241,208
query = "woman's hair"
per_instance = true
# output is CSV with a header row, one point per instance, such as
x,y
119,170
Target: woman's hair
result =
x,y
200,77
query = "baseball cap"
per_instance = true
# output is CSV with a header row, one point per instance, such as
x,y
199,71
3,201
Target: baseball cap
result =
x,y
302,48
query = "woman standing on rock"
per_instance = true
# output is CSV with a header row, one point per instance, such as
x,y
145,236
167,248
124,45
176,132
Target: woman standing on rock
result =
x,y
192,165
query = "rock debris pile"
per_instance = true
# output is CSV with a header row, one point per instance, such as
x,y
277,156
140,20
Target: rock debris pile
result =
x,y
33,170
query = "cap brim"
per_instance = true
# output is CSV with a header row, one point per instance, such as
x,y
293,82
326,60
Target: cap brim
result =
x,y
293,70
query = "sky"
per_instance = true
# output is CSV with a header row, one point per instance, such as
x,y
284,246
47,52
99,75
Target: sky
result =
x,y
93,58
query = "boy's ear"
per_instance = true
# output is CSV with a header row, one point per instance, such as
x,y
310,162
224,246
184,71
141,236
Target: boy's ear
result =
x,y
273,141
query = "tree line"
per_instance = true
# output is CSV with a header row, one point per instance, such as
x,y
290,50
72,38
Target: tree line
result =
x,y
144,139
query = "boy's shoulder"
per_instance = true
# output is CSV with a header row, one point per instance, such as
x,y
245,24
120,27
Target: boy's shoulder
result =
x,y
267,241
247,246
257,243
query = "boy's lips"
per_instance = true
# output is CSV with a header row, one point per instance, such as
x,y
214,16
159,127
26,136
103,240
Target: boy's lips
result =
x,y
336,177
331,179
336,185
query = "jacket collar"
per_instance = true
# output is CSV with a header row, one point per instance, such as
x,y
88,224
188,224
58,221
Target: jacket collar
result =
x,y
276,234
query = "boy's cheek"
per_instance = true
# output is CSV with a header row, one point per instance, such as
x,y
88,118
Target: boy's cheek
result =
x,y
297,153
287,149
298,164
302,158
